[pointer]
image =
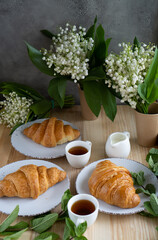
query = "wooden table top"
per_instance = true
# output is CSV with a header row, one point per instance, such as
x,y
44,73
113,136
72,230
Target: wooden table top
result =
x,y
107,226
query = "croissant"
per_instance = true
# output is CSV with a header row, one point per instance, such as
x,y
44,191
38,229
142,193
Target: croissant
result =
x,y
51,132
114,185
30,181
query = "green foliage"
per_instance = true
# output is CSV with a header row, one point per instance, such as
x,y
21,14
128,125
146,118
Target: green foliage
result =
x,y
47,236
152,159
71,231
10,219
16,235
65,198
136,43
41,224
148,90
57,88
36,58
97,55
138,178
47,33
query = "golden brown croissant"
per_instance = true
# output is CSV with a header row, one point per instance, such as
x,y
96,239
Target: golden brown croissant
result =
x,y
114,185
51,132
30,181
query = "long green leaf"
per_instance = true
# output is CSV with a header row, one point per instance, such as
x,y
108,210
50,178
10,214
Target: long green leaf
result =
x,y
149,89
47,33
45,235
154,203
107,42
96,74
16,235
42,224
71,226
6,223
108,102
22,89
17,227
100,46
91,30
41,107
136,43
56,89
36,58
148,207
92,95
80,229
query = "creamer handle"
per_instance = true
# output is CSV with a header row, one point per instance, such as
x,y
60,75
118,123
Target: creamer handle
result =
x,y
127,134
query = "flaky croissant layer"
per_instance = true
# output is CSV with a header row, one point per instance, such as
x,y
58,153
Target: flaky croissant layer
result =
x,y
30,181
51,132
114,185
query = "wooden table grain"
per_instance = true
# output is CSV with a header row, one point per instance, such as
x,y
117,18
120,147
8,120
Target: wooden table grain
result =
x,y
111,227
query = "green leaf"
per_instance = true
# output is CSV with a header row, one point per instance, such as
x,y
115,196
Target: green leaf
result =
x,y
136,43
95,74
91,30
148,207
47,33
157,228
142,190
140,178
146,214
80,238
6,223
41,224
14,128
151,188
100,46
45,235
154,203
80,229
107,42
56,89
17,227
21,90
148,90
16,235
151,162
66,235
108,102
65,198
36,58
153,153
92,95
41,107
71,226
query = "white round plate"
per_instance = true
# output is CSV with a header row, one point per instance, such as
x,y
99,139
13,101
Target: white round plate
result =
x,y
28,206
29,148
132,166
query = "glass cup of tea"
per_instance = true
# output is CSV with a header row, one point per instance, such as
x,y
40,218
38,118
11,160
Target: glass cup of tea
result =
x,y
83,207
78,153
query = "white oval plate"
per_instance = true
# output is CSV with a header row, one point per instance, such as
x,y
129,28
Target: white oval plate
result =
x,y
28,206
132,166
29,148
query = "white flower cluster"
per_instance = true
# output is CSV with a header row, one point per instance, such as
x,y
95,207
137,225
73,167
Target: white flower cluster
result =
x,y
14,109
69,51
128,69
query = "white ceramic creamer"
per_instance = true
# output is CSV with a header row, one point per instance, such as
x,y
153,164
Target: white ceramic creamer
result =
x,y
118,145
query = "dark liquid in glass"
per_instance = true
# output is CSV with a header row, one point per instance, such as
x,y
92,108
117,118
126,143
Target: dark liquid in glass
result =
x,y
83,207
78,150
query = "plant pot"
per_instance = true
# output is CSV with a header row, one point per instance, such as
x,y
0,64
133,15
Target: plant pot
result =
x,y
147,126
87,114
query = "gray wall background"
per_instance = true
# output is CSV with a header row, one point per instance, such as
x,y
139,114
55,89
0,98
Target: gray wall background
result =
x,y
22,20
